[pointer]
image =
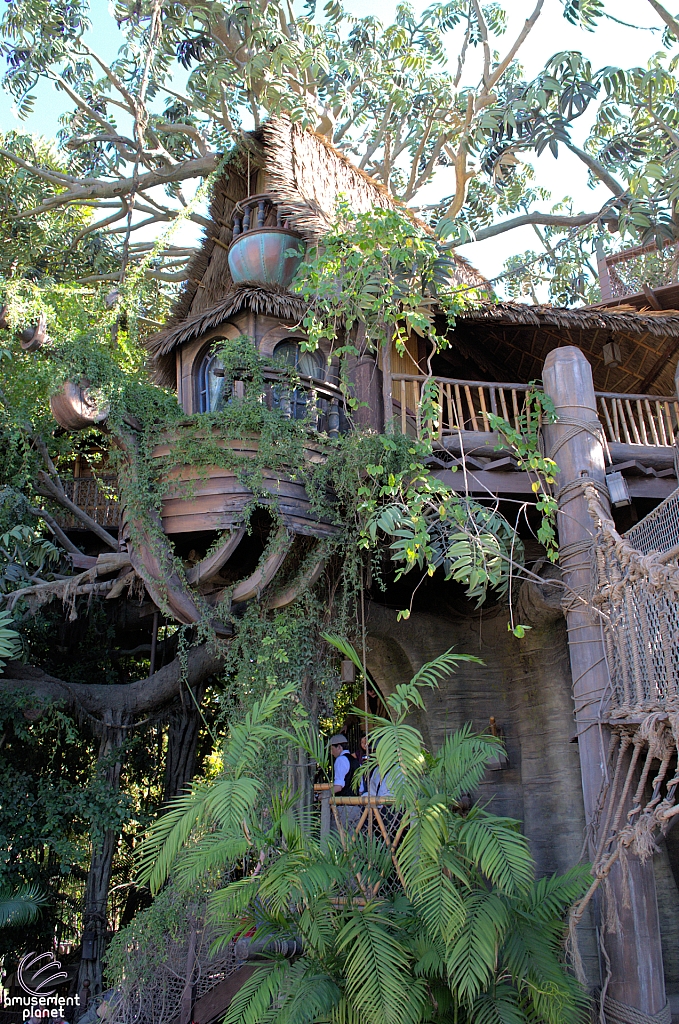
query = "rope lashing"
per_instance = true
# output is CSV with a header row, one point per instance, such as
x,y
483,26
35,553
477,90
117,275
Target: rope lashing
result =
x,y
575,427
578,487
622,1013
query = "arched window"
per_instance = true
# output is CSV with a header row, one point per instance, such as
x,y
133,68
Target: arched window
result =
x,y
307,364
211,395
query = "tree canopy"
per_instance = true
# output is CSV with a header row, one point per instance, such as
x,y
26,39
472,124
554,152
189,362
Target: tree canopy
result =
x,y
437,98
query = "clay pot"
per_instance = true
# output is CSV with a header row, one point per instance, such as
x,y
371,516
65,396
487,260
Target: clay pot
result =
x,y
33,338
74,409
260,255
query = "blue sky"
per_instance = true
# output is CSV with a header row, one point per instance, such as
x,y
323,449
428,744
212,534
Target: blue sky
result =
x,y
610,44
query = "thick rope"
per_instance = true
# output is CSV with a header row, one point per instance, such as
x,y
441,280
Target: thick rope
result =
x,y
577,426
621,1013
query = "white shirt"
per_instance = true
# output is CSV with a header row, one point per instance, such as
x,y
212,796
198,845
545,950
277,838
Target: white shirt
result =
x,y
342,767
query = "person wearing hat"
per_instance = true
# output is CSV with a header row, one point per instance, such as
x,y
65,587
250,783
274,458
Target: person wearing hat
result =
x,y
345,767
345,764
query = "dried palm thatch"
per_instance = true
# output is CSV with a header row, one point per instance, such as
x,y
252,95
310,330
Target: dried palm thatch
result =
x,y
269,300
521,336
304,174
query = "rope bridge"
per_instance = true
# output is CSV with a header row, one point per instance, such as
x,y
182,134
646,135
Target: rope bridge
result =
x,y
635,588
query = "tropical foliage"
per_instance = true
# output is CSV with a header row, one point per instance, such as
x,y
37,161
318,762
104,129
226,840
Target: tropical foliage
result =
x,y
19,906
437,99
447,925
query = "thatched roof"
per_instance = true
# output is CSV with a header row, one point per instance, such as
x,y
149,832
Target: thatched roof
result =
x,y
520,336
304,174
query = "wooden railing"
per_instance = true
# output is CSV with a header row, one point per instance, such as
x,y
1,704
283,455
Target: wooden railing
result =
x,y
321,401
648,420
96,500
639,419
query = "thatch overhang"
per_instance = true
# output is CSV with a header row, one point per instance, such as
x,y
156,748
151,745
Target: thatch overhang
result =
x,y
305,175
520,337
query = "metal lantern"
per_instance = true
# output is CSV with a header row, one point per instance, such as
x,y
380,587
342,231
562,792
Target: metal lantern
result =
x,y
89,945
618,490
611,354
348,673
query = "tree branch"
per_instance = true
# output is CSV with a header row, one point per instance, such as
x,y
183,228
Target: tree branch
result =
x,y
513,50
598,169
49,489
143,697
671,22
56,530
536,218
99,188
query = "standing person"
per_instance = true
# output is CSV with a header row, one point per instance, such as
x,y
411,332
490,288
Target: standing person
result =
x,y
345,767
361,754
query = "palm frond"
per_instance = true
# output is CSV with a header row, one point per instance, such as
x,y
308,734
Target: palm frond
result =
x,y
470,960
499,1006
550,896
499,849
460,763
169,834
21,905
308,995
344,647
376,967
252,1003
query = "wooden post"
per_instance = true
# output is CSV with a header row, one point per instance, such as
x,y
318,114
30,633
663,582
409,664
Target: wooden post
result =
x,y
387,397
633,945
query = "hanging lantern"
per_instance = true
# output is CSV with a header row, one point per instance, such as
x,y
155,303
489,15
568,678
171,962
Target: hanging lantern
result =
x,y
611,354
89,945
348,672
618,490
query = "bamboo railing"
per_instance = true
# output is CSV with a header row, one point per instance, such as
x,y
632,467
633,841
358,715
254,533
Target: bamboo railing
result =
x,y
648,420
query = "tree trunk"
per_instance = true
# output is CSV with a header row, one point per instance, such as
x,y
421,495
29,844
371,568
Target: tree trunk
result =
x,y
95,919
182,741
387,397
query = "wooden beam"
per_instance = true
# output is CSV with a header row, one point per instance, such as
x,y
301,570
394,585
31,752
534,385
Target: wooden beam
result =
x,y
633,948
651,296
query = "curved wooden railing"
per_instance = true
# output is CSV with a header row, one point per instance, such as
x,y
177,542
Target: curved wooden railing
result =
x,y
326,400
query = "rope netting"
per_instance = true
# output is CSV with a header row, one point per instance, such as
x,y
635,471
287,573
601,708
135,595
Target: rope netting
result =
x,y
659,530
637,593
183,968
635,590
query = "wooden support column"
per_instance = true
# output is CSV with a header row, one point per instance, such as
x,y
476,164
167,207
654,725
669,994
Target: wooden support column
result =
x,y
632,943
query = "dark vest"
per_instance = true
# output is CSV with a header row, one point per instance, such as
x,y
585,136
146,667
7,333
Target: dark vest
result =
x,y
347,789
